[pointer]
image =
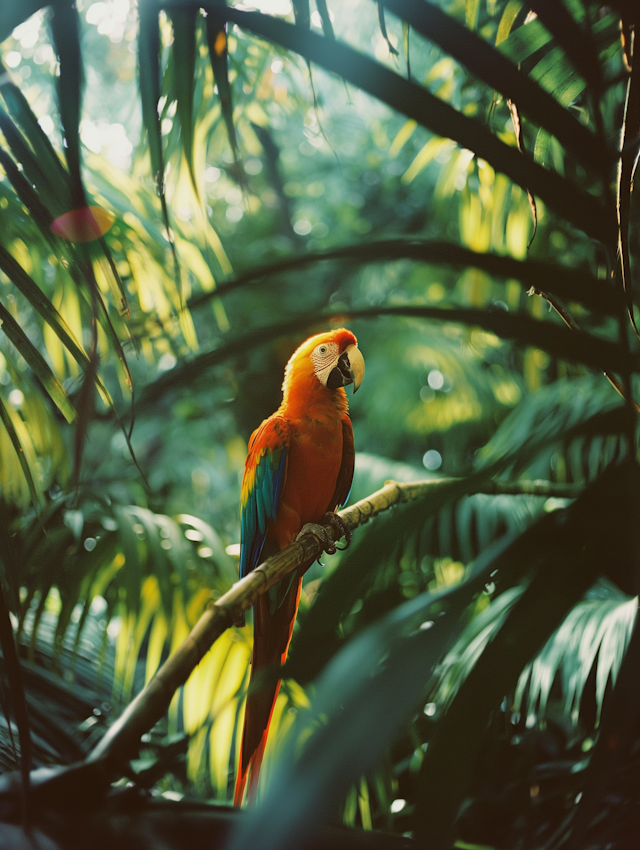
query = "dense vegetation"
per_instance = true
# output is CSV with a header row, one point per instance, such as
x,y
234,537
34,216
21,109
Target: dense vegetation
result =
x,y
451,181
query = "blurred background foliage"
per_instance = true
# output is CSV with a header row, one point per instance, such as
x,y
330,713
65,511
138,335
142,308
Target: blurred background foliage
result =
x,y
134,367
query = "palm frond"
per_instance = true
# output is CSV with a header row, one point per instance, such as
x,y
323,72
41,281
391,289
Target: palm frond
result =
x,y
594,637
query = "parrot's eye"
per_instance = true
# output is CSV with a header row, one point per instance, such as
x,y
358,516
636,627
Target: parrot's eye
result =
x,y
323,356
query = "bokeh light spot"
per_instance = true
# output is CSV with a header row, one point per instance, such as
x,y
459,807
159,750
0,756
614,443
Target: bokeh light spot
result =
x,y
432,459
83,225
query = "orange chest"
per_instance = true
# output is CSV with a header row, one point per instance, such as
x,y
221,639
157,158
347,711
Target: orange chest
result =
x,y
313,465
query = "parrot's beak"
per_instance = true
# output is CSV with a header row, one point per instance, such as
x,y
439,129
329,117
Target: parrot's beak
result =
x,y
348,370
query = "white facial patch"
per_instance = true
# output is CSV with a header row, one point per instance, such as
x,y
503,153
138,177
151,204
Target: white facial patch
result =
x,y
324,357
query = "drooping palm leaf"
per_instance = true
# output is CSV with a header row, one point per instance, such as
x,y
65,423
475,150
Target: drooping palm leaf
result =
x,y
561,342
66,38
569,284
488,64
184,63
417,103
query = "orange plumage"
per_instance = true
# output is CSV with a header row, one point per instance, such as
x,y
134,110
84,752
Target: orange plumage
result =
x,y
299,467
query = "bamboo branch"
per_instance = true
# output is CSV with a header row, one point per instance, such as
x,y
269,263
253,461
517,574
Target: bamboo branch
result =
x,y
122,739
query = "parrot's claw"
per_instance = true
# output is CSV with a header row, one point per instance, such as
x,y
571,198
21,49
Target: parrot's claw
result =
x,y
321,536
340,529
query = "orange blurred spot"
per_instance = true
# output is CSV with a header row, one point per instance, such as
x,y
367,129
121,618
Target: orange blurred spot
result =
x,y
83,225
220,44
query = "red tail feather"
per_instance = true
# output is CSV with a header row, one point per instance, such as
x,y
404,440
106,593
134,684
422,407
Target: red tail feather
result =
x,y
272,634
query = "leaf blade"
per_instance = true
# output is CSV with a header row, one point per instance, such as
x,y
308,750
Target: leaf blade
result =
x,y
37,363
17,445
65,32
41,303
184,64
219,58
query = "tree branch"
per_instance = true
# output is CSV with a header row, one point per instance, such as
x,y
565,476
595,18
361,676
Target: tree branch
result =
x,y
122,739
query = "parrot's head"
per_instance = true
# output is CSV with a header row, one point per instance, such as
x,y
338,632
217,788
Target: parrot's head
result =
x,y
332,358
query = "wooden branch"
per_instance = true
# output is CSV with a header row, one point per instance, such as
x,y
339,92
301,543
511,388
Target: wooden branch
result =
x,y
122,739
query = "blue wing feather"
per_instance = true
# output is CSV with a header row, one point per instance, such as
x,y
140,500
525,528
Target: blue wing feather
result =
x,y
260,505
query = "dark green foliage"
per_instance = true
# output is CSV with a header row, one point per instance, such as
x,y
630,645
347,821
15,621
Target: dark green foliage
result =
x,y
465,672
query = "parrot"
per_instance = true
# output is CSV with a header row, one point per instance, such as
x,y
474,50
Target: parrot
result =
x,y
298,471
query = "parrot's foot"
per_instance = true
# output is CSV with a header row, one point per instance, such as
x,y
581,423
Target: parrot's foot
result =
x,y
340,529
321,536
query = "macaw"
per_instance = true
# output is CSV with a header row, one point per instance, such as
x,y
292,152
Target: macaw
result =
x,y
298,472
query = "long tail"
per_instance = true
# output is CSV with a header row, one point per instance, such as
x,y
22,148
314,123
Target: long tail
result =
x,y
272,634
